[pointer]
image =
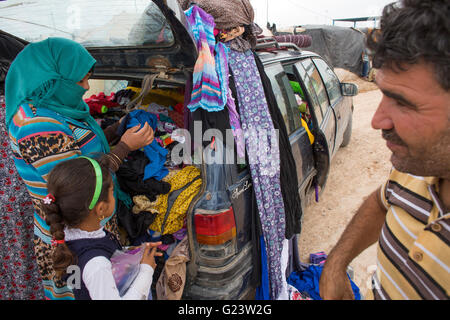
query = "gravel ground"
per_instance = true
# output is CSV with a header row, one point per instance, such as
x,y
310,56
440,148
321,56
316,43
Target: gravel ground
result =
x,y
356,171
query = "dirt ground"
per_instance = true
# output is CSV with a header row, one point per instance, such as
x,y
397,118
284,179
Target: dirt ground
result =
x,y
356,171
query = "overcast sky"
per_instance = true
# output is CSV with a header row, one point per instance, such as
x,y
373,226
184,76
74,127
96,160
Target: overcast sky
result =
x,y
297,12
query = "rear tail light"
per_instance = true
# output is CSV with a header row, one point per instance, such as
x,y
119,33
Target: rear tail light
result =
x,y
215,228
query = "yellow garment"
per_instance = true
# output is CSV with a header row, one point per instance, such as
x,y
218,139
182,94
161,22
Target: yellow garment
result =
x,y
166,97
175,218
310,135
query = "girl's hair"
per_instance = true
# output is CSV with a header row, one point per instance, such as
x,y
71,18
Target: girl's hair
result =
x,y
72,184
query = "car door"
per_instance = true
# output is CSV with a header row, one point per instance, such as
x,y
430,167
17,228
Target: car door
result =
x,y
320,128
298,137
341,106
320,102
131,39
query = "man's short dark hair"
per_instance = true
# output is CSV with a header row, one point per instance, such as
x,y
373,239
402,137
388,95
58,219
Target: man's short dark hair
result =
x,y
412,31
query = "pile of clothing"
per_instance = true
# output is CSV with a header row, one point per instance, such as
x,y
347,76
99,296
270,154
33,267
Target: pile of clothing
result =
x,y
168,225
149,175
161,190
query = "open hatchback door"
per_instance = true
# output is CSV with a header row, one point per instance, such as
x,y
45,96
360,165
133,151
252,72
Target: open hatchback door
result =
x,y
130,38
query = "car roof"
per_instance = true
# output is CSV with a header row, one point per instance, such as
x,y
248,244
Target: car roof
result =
x,y
282,55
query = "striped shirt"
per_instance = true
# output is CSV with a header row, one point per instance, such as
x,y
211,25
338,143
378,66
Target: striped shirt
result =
x,y
413,249
40,139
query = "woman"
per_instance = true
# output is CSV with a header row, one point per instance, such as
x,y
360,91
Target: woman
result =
x,y
48,122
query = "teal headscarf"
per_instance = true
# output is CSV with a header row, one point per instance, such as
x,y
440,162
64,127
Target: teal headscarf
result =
x,y
45,74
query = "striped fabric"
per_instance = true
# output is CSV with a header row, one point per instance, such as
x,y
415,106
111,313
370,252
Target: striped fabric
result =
x,y
413,249
40,139
210,78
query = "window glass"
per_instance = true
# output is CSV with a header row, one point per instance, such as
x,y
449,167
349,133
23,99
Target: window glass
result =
x,y
99,23
317,84
299,102
292,106
314,101
279,80
330,79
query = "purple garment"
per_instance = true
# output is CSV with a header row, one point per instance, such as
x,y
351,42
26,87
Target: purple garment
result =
x,y
264,160
235,125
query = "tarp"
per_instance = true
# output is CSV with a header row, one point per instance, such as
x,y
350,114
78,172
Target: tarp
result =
x,y
341,47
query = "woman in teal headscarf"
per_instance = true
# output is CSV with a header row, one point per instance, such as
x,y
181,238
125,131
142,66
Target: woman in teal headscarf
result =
x,y
49,122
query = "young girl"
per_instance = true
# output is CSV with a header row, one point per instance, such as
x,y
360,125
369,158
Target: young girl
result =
x,y
81,195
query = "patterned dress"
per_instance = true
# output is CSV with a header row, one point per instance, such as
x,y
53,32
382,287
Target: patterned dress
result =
x,y
40,139
20,279
264,160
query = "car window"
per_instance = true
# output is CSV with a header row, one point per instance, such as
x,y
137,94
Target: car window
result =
x,y
317,84
300,100
280,85
314,101
292,106
100,23
330,79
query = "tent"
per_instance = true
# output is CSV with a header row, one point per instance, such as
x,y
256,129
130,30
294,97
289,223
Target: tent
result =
x,y
341,47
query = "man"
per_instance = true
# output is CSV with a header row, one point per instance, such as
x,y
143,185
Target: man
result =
x,y
409,215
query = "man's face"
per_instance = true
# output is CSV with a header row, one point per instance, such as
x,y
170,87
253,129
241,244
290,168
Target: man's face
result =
x,y
414,116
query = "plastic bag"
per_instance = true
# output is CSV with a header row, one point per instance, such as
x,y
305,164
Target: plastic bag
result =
x,y
125,268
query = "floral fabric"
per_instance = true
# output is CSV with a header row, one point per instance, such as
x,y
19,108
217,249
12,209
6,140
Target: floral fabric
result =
x,y
20,279
264,159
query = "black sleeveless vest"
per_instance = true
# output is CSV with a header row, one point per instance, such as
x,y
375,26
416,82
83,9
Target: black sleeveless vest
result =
x,y
85,250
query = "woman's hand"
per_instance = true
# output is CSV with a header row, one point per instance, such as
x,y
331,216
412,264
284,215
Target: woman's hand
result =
x,y
136,138
150,254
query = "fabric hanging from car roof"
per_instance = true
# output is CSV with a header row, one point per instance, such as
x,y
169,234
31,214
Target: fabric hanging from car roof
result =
x,y
211,89
288,169
230,14
210,76
263,151
227,14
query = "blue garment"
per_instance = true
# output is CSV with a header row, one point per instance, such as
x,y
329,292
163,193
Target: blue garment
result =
x,y
263,291
308,281
154,152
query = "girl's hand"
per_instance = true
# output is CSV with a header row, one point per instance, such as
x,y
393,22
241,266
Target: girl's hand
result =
x,y
136,138
150,253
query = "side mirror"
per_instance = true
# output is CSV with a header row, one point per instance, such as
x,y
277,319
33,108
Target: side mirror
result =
x,y
349,89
